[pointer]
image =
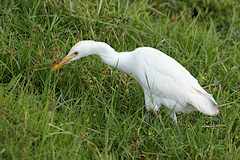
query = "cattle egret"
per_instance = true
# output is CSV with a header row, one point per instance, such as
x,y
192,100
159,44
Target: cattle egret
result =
x,y
165,82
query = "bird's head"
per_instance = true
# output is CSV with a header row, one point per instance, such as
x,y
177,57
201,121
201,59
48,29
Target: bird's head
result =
x,y
79,50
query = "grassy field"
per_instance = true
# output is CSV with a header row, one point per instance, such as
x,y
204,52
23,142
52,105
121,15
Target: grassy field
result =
x,y
89,110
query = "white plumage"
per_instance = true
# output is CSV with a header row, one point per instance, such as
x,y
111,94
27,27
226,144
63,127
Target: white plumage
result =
x,y
165,82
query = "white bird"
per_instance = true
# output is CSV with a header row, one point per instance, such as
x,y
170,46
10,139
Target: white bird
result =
x,y
165,82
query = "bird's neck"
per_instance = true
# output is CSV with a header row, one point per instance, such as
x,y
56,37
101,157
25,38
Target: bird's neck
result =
x,y
112,58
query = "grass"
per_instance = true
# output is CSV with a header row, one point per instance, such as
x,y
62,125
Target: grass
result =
x,y
88,110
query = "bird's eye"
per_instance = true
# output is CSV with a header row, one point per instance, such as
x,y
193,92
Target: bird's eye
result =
x,y
76,53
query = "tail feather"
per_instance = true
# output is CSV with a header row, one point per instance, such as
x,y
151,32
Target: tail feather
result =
x,y
205,103
215,105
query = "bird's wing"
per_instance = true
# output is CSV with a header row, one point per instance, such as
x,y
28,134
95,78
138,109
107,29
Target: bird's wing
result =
x,y
165,77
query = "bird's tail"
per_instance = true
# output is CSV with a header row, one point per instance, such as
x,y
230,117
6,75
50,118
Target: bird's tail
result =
x,y
205,103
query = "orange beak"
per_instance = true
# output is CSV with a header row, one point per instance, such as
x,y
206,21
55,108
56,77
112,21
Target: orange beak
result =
x,y
64,61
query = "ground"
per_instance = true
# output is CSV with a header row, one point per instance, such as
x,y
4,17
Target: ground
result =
x,y
92,111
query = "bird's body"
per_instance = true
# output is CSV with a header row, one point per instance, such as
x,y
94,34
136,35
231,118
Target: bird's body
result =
x,y
164,81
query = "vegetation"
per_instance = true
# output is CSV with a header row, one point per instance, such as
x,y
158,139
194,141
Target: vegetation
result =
x,y
89,110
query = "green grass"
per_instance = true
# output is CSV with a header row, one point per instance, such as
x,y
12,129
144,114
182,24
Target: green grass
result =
x,y
89,110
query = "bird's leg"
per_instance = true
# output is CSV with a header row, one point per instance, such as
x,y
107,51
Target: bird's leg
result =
x,y
147,117
149,104
172,114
